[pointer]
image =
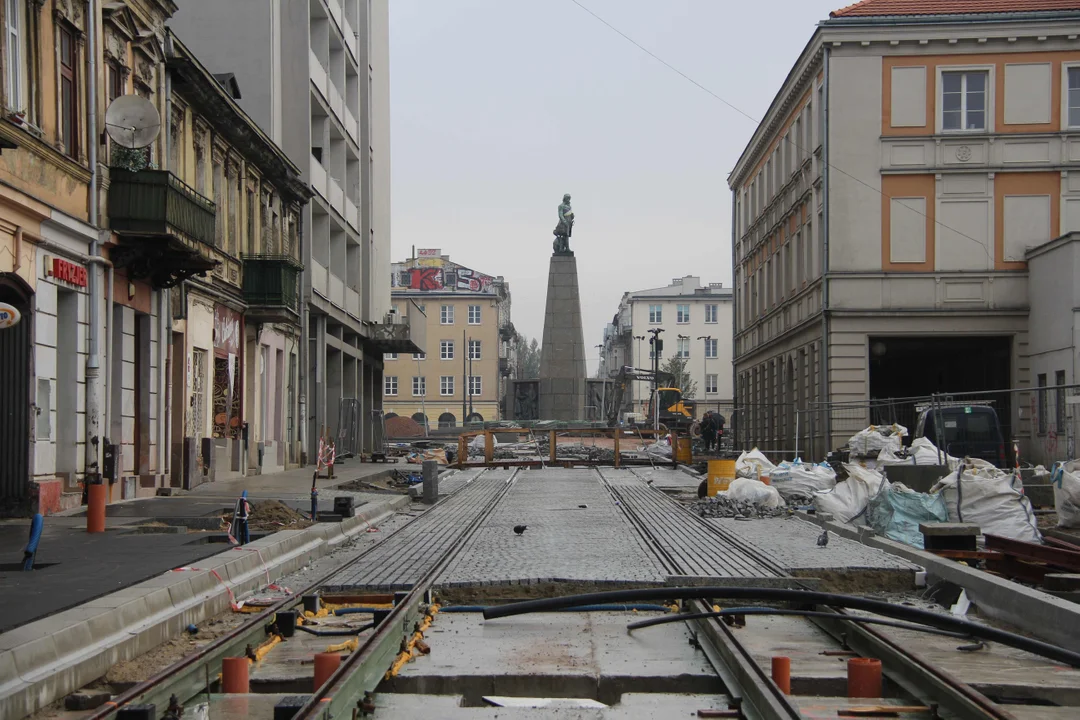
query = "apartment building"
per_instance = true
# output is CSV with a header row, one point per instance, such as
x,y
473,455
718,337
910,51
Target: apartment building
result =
x,y
697,325
315,77
461,375
885,205
236,326
88,341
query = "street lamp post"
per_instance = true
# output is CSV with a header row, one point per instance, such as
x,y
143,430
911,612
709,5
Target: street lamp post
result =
x,y
705,361
603,377
636,362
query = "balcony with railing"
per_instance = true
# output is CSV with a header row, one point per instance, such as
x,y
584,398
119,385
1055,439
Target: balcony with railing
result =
x,y
167,230
272,288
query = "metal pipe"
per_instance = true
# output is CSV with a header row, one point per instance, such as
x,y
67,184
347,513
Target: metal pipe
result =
x,y
302,371
109,322
93,416
824,359
165,294
806,597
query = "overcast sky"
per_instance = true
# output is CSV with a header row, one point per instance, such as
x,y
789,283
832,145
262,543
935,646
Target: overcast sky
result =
x,y
501,106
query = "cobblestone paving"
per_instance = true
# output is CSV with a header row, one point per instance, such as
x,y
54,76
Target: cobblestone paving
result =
x,y
693,548
595,543
456,480
400,561
793,543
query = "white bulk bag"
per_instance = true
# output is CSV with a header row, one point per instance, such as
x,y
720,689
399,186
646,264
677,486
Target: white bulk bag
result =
x,y
990,498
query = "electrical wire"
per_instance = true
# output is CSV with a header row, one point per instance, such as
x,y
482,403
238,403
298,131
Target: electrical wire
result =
x,y
806,597
650,622
787,140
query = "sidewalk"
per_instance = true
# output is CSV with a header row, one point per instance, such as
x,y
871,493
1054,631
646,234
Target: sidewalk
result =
x,y
74,567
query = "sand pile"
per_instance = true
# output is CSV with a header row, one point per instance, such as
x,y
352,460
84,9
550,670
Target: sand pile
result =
x,y
273,515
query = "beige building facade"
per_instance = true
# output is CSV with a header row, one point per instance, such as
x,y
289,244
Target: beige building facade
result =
x,y
461,376
884,206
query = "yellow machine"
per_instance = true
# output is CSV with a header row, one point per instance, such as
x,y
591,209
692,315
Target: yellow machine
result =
x,y
676,412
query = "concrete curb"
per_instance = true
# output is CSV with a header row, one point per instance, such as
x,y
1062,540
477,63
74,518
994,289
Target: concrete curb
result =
x,y
1033,611
45,660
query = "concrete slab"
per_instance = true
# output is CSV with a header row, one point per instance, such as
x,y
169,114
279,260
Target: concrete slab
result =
x,y
632,706
554,654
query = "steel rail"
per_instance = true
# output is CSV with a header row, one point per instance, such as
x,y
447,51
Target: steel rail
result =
x,y
187,677
912,673
365,668
753,691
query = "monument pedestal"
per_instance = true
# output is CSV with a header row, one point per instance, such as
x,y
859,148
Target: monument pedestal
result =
x,y
562,355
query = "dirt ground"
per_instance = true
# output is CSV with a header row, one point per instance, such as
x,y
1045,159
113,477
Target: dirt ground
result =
x,y
273,515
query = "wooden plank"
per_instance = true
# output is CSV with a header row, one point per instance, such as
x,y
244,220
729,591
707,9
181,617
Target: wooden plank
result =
x,y
1030,551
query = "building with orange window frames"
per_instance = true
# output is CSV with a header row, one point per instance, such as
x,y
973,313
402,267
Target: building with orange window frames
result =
x,y
885,207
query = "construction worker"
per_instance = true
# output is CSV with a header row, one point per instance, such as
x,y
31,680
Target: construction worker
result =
x,y
243,511
708,431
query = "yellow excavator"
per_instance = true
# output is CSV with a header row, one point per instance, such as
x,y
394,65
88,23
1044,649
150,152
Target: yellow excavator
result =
x,y
674,412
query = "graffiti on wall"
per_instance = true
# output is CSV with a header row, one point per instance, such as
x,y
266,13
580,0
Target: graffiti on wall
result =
x,y
471,280
426,279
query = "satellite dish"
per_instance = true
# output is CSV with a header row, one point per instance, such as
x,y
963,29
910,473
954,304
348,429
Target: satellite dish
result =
x,y
132,121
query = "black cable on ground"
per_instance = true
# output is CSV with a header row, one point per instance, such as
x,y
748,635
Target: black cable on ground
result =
x,y
804,597
335,633
801,613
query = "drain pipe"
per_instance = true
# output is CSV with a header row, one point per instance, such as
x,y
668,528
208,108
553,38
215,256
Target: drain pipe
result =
x,y
824,381
93,358
165,348
302,371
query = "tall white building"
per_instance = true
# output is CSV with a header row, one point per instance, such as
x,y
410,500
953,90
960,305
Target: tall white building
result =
x,y
697,325
315,75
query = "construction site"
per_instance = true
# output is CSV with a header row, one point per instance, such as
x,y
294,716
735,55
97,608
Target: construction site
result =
x,y
518,573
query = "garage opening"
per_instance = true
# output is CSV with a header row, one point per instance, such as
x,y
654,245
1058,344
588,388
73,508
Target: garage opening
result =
x,y
915,367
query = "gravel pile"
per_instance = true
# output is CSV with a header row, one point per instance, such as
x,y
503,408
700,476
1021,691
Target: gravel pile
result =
x,y
722,506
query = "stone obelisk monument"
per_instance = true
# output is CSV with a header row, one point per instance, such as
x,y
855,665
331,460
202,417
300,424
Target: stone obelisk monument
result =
x,y
562,355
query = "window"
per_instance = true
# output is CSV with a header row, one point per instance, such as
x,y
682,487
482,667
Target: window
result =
x,y
69,91
710,314
476,385
15,58
684,347
389,356
419,356
446,349
963,100
711,345
656,314
474,314
390,385
1041,382
1059,401
474,349
446,385
446,315
116,80
419,386
1074,97
682,314
710,384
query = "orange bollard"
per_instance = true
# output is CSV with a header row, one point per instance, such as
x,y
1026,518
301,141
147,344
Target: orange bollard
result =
x,y
781,673
325,666
863,678
95,508
234,675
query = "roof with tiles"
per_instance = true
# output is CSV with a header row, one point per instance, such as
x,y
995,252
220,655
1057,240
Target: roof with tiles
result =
x,y
893,8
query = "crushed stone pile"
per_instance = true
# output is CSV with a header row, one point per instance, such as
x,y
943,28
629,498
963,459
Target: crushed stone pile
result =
x,y
722,506
403,427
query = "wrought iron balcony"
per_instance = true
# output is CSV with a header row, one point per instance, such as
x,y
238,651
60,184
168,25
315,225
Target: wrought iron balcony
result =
x,y
272,288
156,202
166,228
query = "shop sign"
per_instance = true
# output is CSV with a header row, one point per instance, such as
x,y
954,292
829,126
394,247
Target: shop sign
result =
x,y
226,330
69,272
9,316
428,253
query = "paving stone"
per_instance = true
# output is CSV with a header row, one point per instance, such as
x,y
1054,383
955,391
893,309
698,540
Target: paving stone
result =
x,y
401,560
793,543
563,541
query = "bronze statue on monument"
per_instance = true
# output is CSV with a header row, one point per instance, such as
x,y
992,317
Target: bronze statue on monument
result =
x,y
564,229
